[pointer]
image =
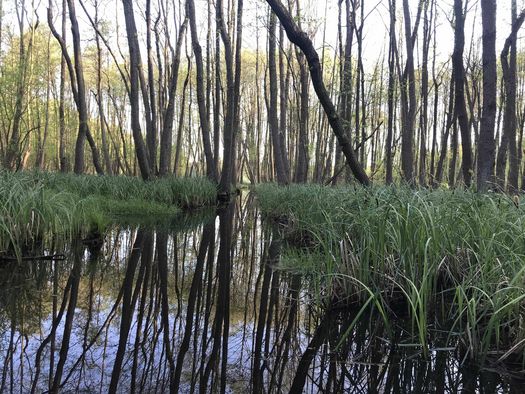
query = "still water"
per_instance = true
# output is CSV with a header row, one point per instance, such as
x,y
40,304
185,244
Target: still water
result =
x,y
202,306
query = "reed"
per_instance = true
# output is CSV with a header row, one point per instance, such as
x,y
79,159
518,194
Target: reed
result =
x,y
456,255
36,207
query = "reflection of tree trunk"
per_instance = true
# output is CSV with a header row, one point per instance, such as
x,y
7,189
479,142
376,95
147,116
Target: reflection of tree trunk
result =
x,y
127,307
57,317
266,303
221,324
162,258
68,324
196,284
257,369
207,312
313,346
292,307
89,317
143,278
9,357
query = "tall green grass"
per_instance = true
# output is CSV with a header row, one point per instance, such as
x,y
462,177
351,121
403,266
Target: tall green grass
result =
x,y
182,192
37,207
454,258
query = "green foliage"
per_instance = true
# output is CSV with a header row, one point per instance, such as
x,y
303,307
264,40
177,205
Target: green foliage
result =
x,y
454,258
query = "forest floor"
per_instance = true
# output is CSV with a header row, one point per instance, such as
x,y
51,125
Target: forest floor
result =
x,y
446,260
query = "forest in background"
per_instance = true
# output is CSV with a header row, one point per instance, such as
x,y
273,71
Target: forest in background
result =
x,y
177,87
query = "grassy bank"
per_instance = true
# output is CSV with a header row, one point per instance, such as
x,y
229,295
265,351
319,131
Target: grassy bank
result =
x,y
35,207
449,260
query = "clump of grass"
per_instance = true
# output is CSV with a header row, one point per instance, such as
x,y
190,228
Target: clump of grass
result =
x,y
36,207
185,193
456,255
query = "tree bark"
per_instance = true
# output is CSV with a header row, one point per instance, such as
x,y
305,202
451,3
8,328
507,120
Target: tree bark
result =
x,y
211,170
391,86
459,97
134,55
167,127
300,39
407,141
486,147
508,67
229,118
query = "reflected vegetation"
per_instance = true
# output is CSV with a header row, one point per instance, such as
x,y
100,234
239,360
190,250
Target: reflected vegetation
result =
x,y
202,306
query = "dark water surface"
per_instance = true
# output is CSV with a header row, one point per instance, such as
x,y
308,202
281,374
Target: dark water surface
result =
x,y
199,307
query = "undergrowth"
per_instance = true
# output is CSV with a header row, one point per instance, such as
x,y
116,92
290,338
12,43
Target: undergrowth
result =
x,y
437,255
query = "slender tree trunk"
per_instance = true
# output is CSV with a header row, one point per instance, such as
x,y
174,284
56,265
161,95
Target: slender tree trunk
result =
x,y
134,55
391,87
427,19
301,169
284,83
83,116
12,157
167,126
300,39
407,146
211,170
229,118
459,98
102,125
486,147
61,103
510,123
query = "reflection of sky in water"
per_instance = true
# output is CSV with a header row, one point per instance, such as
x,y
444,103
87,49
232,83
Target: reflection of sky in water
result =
x,y
362,363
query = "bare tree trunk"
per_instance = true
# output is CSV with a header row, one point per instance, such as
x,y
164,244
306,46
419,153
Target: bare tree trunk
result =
x,y
134,55
301,169
76,74
83,117
284,83
509,77
61,111
151,130
300,39
450,120
229,118
459,98
105,144
211,170
407,146
391,87
427,20
486,147
12,157
167,132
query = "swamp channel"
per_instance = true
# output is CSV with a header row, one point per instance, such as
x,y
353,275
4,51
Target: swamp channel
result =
x,y
203,305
